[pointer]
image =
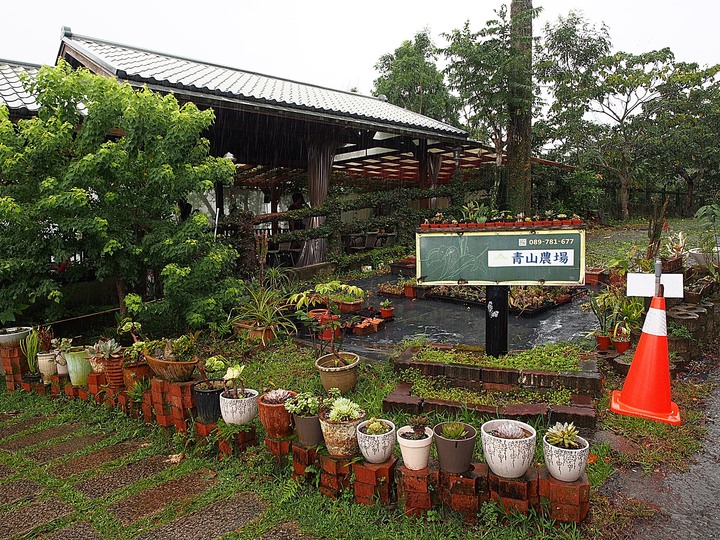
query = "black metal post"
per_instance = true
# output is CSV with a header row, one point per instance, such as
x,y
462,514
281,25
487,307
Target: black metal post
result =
x,y
496,320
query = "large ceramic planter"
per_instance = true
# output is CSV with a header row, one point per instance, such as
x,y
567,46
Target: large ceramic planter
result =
x,y
415,453
172,371
207,400
46,365
340,437
96,363
308,430
566,464
376,448
11,337
342,377
275,418
698,257
264,333
348,307
78,366
114,371
241,410
455,456
509,458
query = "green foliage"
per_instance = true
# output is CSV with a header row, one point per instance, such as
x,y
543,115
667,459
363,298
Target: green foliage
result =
x,y
563,435
30,347
70,185
304,404
138,390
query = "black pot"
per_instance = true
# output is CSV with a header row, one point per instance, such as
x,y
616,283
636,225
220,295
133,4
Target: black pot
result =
x,y
207,402
31,377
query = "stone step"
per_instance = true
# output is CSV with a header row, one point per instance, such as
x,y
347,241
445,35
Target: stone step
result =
x,y
96,459
119,478
213,521
77,531
156,498
44,435
19,425
54,451
31,516
18,490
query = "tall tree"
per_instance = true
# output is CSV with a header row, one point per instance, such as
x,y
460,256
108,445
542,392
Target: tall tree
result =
x,y
409,78
519,105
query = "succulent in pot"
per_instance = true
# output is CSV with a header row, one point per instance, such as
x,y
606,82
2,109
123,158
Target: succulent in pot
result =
x,y
102,351
207,391
376,439
508,446
172,359
305,408
566,452
274,417
387,310
415,440
339,421
455,442
238,405
61,346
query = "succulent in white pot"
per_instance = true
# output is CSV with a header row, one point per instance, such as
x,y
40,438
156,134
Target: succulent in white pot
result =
x,y
508,446
238,405
565,451
415,440
376,439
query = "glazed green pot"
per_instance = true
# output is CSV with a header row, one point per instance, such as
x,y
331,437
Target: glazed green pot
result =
x,y
78,366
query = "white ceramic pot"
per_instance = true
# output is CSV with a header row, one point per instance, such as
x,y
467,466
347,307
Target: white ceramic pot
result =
x,y
566,464
509,458
415,453
340,437
61,363
46,365
697,257
241,410
376,448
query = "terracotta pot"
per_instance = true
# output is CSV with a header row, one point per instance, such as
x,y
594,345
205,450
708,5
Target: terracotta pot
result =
x,y
340,437
308,430
134,372
349,307
207,400
424,225
455,456
376,448
621,346
326,334
172,371
509,458
275,419
241,410
114,371
387,313
409,291
415,453
264,333
342,377
603,343
566,464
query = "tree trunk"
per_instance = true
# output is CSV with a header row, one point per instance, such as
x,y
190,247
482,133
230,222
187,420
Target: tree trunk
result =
x,y
121,289
624,185
519,179
689,194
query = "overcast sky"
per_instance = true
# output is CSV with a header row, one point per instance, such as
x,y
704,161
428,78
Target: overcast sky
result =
x,y
333,44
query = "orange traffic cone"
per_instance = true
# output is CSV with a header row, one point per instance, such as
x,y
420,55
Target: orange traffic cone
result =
x,y
646,392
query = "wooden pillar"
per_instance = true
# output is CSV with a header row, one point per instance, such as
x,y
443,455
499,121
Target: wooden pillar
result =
x,y
423,178
435,162
321,152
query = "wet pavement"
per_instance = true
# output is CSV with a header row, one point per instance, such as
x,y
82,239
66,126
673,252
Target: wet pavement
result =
x,y
456,323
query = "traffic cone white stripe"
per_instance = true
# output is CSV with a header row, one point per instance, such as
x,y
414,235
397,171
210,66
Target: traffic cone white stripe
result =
x,y
655,323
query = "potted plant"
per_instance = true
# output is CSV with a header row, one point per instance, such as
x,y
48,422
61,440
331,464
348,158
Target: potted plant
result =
x,y
339,421
262,314
46,355
455,442
387,310
274,417
376,439
409,285
102,352
337,369
621,336
11,337
60,347
415,440
350,300
708,254
305,408
565,451
508,446
207,391
172,359
602,314
238,405
30,346
73,361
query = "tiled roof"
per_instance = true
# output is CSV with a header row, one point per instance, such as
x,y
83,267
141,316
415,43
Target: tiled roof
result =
x,y
178,74
12,92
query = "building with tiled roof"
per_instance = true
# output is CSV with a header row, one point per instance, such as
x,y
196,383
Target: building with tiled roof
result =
x,y
20,103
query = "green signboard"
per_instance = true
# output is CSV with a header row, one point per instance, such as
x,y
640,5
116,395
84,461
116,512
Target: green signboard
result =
x,y
527,257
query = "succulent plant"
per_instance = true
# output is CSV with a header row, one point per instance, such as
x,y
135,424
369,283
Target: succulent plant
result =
x,y
277,397
303,404
344,410
563,435
454,430
418,425
509,430
104,349
375,426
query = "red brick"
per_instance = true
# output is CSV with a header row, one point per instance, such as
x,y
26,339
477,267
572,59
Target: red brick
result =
x,y
99,398
181,414
147,412
582,416
515,488
17,377
203,430
525,411
10,384
55,390
375,473
382,491
60,380
334,482
329,492
304,456
242,447
418,481
97,379
568,512
164,420
181,425
508,504
400,399
412,511
224,448
367,501
495,387
467,504
158,385
582,400
26,386
93,389
247,436
280,448
565,493
335,466
83,394
415,499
